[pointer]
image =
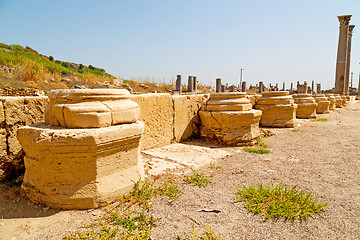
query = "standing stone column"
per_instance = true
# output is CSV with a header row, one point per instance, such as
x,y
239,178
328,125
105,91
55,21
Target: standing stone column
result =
x,y
261,87
190,84
243,86
291,87
305,87
283,86
313,87
218,85
178,84
340,75
348,60
195,83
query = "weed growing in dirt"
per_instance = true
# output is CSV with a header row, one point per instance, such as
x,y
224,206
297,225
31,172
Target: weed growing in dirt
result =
x,y
141,194
277,201
208,235
213,165
260,142
259,150
169,188
295,130
198,178
131,219
319,120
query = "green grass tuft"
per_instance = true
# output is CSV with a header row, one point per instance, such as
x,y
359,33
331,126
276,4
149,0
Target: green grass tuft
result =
x,y
213,165
169,188
319,120
277,201
259,150
198,178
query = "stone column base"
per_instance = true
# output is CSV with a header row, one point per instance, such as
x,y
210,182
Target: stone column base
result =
x,y
306,110
323,107
278,115
230,127
80,168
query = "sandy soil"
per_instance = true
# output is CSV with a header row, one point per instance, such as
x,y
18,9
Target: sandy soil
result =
x,y
321,157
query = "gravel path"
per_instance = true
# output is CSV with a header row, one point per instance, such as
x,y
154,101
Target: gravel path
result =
x,y
321,157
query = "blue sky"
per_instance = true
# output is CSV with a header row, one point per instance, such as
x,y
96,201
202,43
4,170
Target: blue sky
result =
x,y
273,41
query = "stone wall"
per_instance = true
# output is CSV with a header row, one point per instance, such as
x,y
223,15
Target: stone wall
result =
x,y
14,113
167,119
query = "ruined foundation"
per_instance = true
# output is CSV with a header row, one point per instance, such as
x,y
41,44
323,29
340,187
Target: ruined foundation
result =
x,y
228,118
331,99
323,103
306,106
83,167
344,101
278,109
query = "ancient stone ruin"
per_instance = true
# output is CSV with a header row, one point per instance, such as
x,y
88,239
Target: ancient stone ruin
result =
x,y
278,109
306,106
331,99
87,150
322,103
228,118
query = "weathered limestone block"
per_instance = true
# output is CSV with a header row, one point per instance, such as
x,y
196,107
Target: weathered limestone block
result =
x,y
331,98
228,118
338,101
344,101
157,112
16,112
23,110
2,114
254,98
323,103
89,108
306,106
186,117
3,152
278,109
80,168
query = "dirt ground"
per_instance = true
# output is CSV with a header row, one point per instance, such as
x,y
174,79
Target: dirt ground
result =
x,y
321,157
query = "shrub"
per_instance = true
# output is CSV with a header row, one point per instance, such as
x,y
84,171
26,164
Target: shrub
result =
x,y
279,201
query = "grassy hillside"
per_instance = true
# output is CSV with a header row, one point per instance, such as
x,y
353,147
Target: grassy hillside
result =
x,y
24,67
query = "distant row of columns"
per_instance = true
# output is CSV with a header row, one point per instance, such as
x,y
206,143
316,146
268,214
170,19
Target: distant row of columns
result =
x,y
192,84
343,56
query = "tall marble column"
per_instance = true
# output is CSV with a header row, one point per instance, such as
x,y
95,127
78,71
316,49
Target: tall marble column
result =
x,y
348,60
340,75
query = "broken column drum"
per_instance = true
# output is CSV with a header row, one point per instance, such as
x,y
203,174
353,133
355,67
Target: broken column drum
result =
x,y
228,118
331,98
306,106
338,101
344,100
323,103
87,151
278,109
